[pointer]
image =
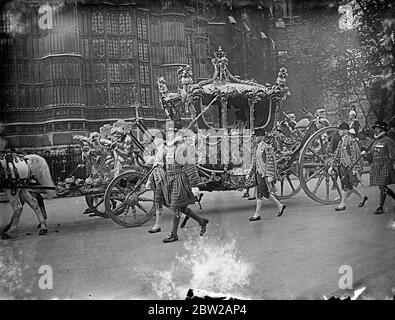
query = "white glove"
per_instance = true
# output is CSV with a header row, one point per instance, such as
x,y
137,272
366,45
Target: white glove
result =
x,y
247,177
363,153
148,184
330,171
269,179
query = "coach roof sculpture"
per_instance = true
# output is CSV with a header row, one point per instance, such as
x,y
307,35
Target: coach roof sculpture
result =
x,y
224,87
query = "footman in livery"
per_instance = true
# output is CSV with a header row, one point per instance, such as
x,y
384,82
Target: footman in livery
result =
x,y
382,170
264,170
349,164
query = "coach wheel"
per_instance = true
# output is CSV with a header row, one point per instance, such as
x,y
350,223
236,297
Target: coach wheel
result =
x,y
314,161
96,205
288,185
133,206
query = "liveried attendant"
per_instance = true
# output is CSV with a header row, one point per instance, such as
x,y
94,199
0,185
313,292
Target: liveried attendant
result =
x,y
382,170
391,134
264,170
349,164
173,187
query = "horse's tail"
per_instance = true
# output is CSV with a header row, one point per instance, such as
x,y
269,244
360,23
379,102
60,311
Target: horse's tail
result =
x,y
39,168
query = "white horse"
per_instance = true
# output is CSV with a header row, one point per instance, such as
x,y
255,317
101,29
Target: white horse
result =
x,y
33,166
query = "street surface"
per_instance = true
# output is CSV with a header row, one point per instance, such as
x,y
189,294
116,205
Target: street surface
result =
x,y
296,256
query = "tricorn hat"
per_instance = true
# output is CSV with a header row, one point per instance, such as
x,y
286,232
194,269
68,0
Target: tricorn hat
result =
x,y
381,125
344,126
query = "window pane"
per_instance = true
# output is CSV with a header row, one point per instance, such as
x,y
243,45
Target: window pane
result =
x,y
146,71
148,96
126,48
144,28
97,22
143,101
114,71
141,52
127,73
139,31
145,53
115,94
100,71
112,46
98,48
112,23
142,78
23,71
101,95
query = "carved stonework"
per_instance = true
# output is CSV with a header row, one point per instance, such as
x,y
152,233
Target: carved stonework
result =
x,y
185,76
162,86
224,111
220,62
218,90
185,80
105,130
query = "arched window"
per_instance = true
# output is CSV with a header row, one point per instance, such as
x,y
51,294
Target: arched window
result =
x,y
94,22
122,26
97,22
125,23
100,23
6,22
112,23
128,23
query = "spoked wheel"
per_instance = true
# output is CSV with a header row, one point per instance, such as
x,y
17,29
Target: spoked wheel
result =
x,y
314,162
289,184
96,204
128,208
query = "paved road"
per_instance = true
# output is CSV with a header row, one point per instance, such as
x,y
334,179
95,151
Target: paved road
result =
x,y
295,256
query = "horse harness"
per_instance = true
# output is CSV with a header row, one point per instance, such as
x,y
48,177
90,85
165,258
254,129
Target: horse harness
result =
x,y
9,175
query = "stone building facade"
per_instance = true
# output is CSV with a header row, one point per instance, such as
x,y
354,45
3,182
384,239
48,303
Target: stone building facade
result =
x,y
70,69
99,61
